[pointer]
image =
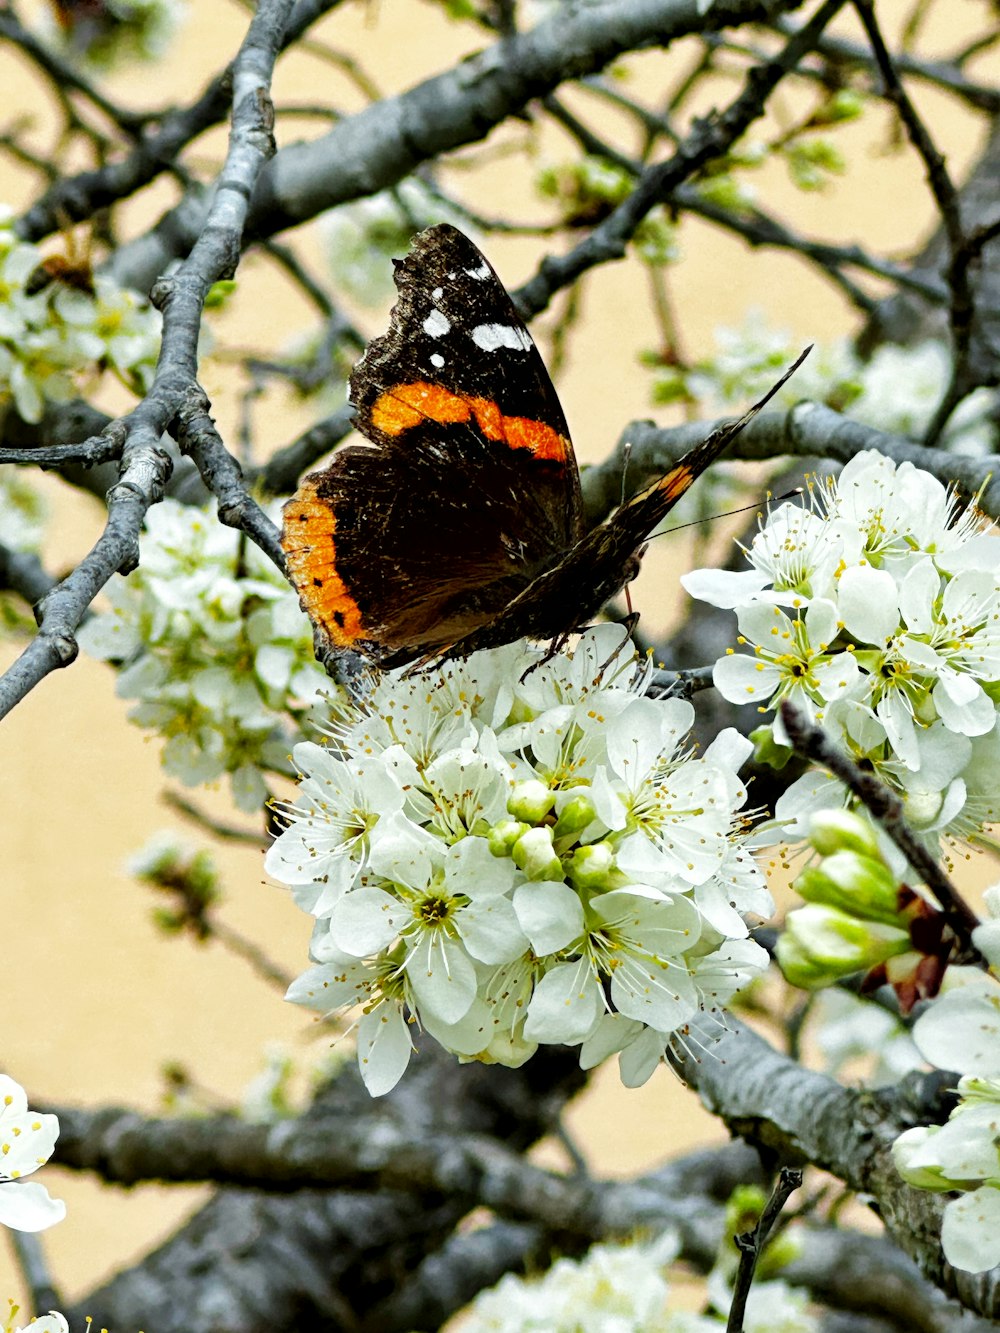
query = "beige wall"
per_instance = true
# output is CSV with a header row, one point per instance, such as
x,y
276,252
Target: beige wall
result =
x,y
95,1001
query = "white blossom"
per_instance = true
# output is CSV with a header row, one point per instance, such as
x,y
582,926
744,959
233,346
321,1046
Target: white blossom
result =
x,y
26,1143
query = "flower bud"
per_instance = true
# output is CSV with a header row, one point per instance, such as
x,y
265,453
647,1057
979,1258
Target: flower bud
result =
x,y
858,885
575,815
820,945
590,867
535,856
503,835
531,800
842,830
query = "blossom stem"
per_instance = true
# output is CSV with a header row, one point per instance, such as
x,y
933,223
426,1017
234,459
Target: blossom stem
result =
x,y
31,1260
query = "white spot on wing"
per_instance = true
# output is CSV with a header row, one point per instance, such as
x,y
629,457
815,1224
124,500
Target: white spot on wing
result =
x,y
491,337
435,325
437,293
480,273
437,360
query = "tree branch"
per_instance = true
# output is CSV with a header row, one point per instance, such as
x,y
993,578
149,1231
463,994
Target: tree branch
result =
x,y
379,146
801,1116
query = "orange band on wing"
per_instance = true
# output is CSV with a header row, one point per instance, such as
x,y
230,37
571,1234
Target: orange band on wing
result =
x,y
677,481
311,557
399,410
408,405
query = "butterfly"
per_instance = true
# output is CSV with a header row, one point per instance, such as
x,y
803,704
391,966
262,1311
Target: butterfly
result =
x,y
459,524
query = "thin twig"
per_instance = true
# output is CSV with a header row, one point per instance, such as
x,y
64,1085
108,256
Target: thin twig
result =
x,y
961,304
217,827
751,1245
710,138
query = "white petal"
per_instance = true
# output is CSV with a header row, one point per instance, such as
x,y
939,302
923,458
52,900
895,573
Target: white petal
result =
x,y
550,914
640,1059
963,704
612,1034
745,680
366,921
868,601
565,1006
490,929
970,1230
961,1031
917,592
663,997
836,676
384,1048
26,1206
721,588
27,1139
897,719
442,976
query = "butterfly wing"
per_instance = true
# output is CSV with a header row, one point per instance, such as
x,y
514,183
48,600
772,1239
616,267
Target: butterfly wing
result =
x,y
468,485
596,567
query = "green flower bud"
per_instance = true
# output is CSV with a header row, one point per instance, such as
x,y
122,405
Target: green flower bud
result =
x,y
575,815
858,885
531,800
842,830
820,945
219,293
590,867
534,854
503,834
845,104
726,191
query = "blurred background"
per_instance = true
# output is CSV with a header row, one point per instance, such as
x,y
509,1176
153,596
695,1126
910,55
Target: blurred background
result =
x,y
99,1004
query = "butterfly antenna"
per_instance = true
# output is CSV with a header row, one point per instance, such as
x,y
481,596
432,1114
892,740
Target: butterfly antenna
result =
x,y
728,513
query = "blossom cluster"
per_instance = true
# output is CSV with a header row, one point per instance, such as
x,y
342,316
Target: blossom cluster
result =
x,y
897,390
622,1289
517,850
961,1032
859,917
875,609
53,334
214,648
